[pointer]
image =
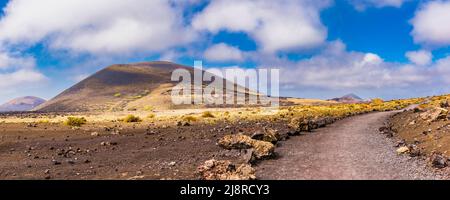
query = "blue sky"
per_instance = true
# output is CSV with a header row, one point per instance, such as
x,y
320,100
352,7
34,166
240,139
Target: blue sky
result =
x,y
324,48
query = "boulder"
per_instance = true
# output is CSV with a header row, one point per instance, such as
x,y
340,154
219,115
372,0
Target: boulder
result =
x,y
434,114
268,135
225,170
301,125
238,141
261,149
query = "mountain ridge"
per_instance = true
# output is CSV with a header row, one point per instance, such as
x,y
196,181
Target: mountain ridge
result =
x,y
20,104
348,98
123,87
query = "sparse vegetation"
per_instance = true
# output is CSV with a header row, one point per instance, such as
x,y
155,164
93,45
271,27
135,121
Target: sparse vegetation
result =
x,y
151,115
208,114
131,119
149,108
43,121
377,101
137,97
190,118
75,121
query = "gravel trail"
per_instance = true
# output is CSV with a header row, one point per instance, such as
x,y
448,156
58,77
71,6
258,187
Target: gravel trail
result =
x,y
350,149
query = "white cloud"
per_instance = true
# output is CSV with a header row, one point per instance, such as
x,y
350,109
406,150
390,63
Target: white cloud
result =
x,y
421,57
431,24
275,25
20,78
17,72
339,69
95,26
363,4
223,52
443,69
8,61
372,59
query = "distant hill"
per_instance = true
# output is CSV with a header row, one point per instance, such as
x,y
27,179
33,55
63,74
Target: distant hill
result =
x,y
349,98
27,103
139,86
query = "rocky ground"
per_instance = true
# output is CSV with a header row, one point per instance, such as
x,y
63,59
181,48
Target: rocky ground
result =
x,y
424,132
413,145
115,150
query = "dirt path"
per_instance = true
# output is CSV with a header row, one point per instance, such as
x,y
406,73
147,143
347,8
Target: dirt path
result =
x,y
349,149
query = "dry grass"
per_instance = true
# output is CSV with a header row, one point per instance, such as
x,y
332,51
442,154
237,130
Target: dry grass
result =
x,y
151,116
207,114
75,121
190,118
131,119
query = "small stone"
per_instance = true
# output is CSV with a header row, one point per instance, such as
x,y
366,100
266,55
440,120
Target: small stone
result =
x,y
209,164
173,163
414,151
427,132
400,143
402,150
55,162
95,134
47,171
438,161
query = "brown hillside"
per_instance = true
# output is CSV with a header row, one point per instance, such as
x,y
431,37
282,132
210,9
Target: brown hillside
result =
x,y
129,87
141,86
114,87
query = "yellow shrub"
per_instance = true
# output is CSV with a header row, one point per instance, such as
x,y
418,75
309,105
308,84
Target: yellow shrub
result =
x,y
207,114
75,121
377,101
151,116
131,119
189,118
43,121
149,108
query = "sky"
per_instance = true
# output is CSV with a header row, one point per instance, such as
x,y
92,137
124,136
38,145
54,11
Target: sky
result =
x,y
323,48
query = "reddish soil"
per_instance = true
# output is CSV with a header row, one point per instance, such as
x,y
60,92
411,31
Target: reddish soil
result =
x,y
428,136
140,151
